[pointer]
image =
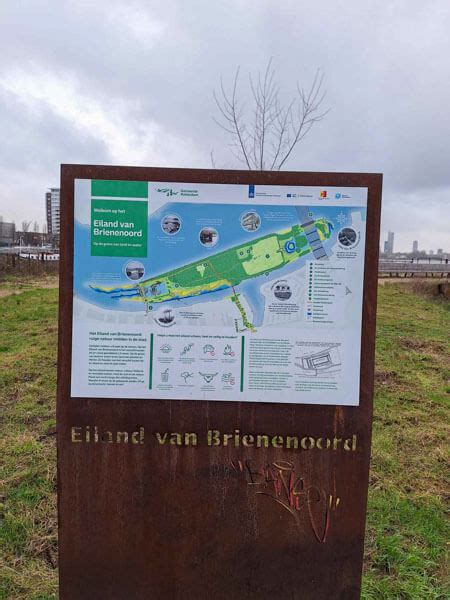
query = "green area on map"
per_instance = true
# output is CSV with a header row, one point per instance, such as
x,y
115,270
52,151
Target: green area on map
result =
x,y
225,269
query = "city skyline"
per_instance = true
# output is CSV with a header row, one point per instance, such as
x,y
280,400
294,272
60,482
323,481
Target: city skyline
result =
x,y
52,223
387,246
62,101
405,242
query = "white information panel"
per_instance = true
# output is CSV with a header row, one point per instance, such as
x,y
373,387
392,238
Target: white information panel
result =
x,y
218,292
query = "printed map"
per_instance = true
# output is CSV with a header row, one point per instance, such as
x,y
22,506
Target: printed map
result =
x,y
221,292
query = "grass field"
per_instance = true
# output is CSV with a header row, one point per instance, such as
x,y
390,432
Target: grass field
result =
x,y
406,534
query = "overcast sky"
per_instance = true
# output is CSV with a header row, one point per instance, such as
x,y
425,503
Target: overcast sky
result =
x,y
111,82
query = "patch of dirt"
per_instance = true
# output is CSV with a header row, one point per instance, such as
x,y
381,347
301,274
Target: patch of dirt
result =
x,y
4,293
50,433
422,345
385,377
32,284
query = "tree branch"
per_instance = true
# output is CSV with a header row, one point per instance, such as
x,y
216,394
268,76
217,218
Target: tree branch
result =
x,y
274,130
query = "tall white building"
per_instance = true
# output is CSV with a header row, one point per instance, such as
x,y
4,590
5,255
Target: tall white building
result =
x,y
53,214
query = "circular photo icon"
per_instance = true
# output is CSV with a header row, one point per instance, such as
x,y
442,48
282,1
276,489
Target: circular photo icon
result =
x,y
134,270
208,237
282,290
250,221
347,237
165,318
171,224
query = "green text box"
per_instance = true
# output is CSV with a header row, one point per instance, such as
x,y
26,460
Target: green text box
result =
x,y
119,228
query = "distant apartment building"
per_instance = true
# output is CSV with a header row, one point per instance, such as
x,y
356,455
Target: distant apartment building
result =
x,y
415,247
7,233
390,242
52,206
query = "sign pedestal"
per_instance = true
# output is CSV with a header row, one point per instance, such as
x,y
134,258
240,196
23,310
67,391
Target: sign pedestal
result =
x,y
169,487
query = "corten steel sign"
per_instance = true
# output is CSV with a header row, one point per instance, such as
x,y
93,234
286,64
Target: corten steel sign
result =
x,y
216,355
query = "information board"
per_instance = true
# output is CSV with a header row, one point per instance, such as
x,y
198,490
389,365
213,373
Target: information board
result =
x,y
215,382
218,291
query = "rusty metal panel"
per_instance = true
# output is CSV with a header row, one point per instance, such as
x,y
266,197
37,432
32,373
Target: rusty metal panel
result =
x,y
144,521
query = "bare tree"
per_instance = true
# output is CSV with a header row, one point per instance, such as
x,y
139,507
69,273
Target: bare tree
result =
x,y
267,136
26,225
36,227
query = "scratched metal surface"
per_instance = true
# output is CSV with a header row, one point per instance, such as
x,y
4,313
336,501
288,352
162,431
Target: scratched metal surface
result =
x,y
142,522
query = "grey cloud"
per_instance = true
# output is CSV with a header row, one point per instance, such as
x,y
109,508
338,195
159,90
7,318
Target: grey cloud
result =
x,y
38,139
385,66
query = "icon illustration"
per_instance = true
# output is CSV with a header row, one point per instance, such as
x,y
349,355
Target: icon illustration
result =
x,y
209,349
228,350
208,377
228,378
186,349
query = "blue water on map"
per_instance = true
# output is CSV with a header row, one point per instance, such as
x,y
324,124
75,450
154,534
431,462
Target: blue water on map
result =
x,y
167,252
